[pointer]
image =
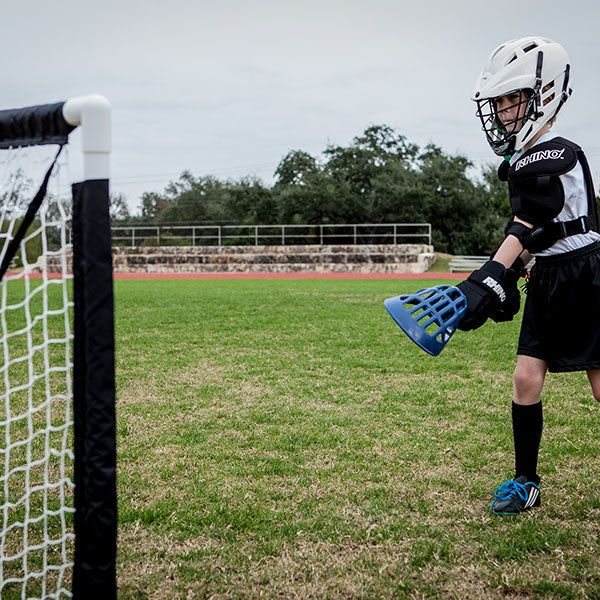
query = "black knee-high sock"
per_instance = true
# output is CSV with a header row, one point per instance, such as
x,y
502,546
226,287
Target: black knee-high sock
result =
x,y
527,432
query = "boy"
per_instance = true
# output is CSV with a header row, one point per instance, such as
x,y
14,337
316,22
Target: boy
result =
x,y
519,94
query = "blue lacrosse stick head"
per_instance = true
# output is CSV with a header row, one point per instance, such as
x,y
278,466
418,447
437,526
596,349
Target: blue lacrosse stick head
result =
x,y
430,316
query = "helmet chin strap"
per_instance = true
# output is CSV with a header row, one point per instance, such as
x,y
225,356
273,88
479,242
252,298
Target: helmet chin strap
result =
x,y
536,99
566,91
538,86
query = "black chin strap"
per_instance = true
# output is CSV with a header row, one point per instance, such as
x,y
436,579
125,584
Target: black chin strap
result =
x,y
591,194
537,96
32,209
566,91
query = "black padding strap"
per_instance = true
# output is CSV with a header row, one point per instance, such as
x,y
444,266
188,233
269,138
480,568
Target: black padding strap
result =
x,y
538,70
591,194
32,209
566,91
33,126
564,229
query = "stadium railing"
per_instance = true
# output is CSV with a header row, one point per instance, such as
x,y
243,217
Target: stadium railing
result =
x,y
320,234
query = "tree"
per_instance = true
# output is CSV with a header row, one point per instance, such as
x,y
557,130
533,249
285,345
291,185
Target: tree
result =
x,y
119,210
459,209
14,190
360,162
401,196
496,191
152,205
249,201
379,177
195,200
295,168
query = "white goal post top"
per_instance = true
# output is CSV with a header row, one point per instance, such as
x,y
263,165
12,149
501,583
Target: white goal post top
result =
x,y
92,114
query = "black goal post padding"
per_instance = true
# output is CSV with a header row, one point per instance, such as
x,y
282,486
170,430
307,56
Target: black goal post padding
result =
x,y
94,396
33,126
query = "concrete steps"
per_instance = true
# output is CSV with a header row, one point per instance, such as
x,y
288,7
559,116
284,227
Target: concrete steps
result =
x,y
404,258
385,258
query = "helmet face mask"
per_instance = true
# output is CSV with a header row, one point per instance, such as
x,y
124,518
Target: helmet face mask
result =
x,y
535,69
501,126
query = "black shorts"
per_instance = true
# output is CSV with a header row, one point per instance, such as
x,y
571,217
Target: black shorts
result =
x,y
561,319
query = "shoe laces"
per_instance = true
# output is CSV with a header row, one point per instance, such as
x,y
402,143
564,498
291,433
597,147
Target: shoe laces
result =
x,y
511,488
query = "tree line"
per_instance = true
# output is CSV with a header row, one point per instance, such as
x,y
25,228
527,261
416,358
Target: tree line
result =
x,y
380,177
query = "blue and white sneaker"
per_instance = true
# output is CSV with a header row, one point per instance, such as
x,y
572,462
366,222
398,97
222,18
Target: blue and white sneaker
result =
x,y
516,496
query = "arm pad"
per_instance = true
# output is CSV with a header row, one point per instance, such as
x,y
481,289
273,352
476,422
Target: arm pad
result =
x,y
536,191
533,239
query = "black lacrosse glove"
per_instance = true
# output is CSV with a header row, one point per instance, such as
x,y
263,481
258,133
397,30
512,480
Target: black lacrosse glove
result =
x,y
510,307
485,293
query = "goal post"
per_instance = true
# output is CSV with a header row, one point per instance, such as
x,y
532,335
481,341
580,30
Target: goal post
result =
x,y
58,498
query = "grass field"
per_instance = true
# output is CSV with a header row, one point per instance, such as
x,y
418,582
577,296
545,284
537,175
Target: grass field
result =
x,y
283,439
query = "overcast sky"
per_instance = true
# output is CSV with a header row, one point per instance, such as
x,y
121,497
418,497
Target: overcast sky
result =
x,y
229,87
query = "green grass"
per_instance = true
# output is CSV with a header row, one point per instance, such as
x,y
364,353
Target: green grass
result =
x,y
441,264
34,423
284,439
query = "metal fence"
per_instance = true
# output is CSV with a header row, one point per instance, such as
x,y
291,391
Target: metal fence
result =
x,y
265,235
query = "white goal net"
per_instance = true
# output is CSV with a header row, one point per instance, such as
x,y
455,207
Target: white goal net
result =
x,y
36,417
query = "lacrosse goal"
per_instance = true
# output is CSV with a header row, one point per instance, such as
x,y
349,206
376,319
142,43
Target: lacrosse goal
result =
x,y
58,497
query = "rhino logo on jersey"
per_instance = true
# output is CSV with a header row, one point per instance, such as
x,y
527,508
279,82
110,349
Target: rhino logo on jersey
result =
x,y
541,155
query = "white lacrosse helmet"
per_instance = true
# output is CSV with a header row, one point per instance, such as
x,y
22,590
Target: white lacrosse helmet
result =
x,y
539,70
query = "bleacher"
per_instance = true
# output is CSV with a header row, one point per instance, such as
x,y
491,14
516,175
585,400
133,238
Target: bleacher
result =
x,y
465,264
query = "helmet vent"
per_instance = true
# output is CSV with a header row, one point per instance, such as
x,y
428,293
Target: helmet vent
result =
x,y
530,47
497,50
513,58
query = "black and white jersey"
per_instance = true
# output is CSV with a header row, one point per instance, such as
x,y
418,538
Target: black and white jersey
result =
x,y
576,205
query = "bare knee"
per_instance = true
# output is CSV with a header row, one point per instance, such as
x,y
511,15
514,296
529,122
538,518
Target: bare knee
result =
x,y
594,378
528,385
529,378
